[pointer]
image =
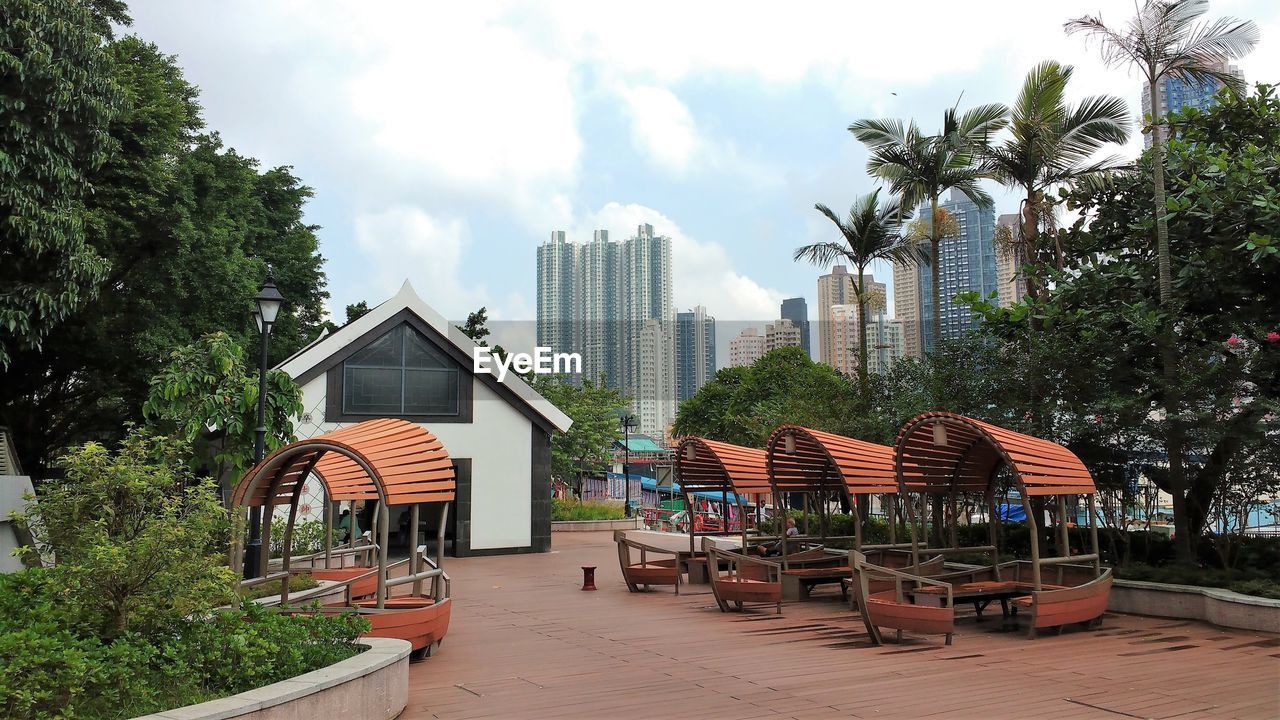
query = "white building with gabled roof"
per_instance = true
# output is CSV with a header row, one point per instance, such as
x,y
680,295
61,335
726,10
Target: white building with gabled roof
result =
x,y
402,359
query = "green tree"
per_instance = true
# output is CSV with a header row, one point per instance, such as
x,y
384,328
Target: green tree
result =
x,y
1166,40
921,167
594,409
57,96
742,405
1105,332
870,233
207,396
188,228
356,311
1051,144
130,531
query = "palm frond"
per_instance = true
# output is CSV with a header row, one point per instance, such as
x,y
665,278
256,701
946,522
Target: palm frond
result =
x,y
823,253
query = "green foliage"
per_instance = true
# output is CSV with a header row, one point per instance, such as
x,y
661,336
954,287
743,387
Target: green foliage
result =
x,y
54,667
308,538
594,409
1101,375
127,529
187,228
743,405
57,95
297,583
593,510
208,396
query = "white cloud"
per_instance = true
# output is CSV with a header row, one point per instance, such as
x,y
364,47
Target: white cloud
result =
x,y
406,243
703,270
662,128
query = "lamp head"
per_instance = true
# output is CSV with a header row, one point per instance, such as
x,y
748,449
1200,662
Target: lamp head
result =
x,y
268,300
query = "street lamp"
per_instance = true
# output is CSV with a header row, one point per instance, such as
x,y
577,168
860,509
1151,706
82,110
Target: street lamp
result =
x,y
268,302
627,421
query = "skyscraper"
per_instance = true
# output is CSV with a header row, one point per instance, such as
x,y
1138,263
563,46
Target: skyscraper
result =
x,y
653,397
839,287
906,307
595,298
1176,94
1009,282
695,351
747,348
797,311
884,339
967,262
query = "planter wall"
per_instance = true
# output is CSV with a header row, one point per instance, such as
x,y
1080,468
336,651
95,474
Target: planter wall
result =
x,y
1213,605
595,525
373,685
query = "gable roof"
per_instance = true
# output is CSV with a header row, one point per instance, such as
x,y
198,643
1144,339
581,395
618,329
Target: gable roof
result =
x,y
8,454
511,388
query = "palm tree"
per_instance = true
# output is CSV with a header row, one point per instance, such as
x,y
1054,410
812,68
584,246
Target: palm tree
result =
x,y
1165,41
921,167
870,233
1051,143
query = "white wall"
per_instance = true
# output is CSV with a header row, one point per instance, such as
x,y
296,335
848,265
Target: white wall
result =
x,y
498,442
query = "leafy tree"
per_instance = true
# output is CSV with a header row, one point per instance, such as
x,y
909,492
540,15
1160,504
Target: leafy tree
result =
x,y
357,310
129,530
57,96
1051,144
742,405
921,167
474,327
1167,41
870,233
188,228
594,409
1105,325
207,396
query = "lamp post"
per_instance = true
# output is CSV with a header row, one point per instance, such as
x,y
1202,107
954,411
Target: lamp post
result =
x,y
627,421
268,302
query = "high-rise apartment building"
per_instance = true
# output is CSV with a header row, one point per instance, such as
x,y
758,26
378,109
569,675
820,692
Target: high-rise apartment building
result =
x,y
595,298
884,339
906,307
839,287
797,311
1009,282
967,262
781,334
1176,94
653,398
695,351
746,349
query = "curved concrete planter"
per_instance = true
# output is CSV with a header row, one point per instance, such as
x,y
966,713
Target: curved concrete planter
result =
x,y
594,525
373,685
1213,605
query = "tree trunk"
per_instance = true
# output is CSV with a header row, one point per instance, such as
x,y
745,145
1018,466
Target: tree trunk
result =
x,y
1174,445
935,241
862,330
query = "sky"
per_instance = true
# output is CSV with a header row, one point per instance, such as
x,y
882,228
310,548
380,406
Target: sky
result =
x,y
445,141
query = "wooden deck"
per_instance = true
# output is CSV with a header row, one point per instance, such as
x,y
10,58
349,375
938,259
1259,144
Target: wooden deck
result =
x,y
527,643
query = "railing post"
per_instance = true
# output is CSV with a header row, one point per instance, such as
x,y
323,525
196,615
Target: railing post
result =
x,y
384,515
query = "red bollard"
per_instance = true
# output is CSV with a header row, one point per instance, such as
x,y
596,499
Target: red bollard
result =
x,y
588,577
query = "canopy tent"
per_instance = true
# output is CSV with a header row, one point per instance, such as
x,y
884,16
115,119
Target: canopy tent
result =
x,y
940,453
812,461
392,462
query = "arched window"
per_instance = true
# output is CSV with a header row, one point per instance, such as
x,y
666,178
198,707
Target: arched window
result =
x,y
400,373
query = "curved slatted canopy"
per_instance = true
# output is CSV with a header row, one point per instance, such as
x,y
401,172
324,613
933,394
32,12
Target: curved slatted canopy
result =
x,y
805,460
392,460
938,450
712,466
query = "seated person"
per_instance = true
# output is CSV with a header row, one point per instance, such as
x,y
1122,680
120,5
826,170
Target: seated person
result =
x,y
775,550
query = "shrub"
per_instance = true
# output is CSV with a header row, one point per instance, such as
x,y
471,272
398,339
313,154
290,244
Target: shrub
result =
x,y
129,530
308,537
54,666
587,510
301,581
